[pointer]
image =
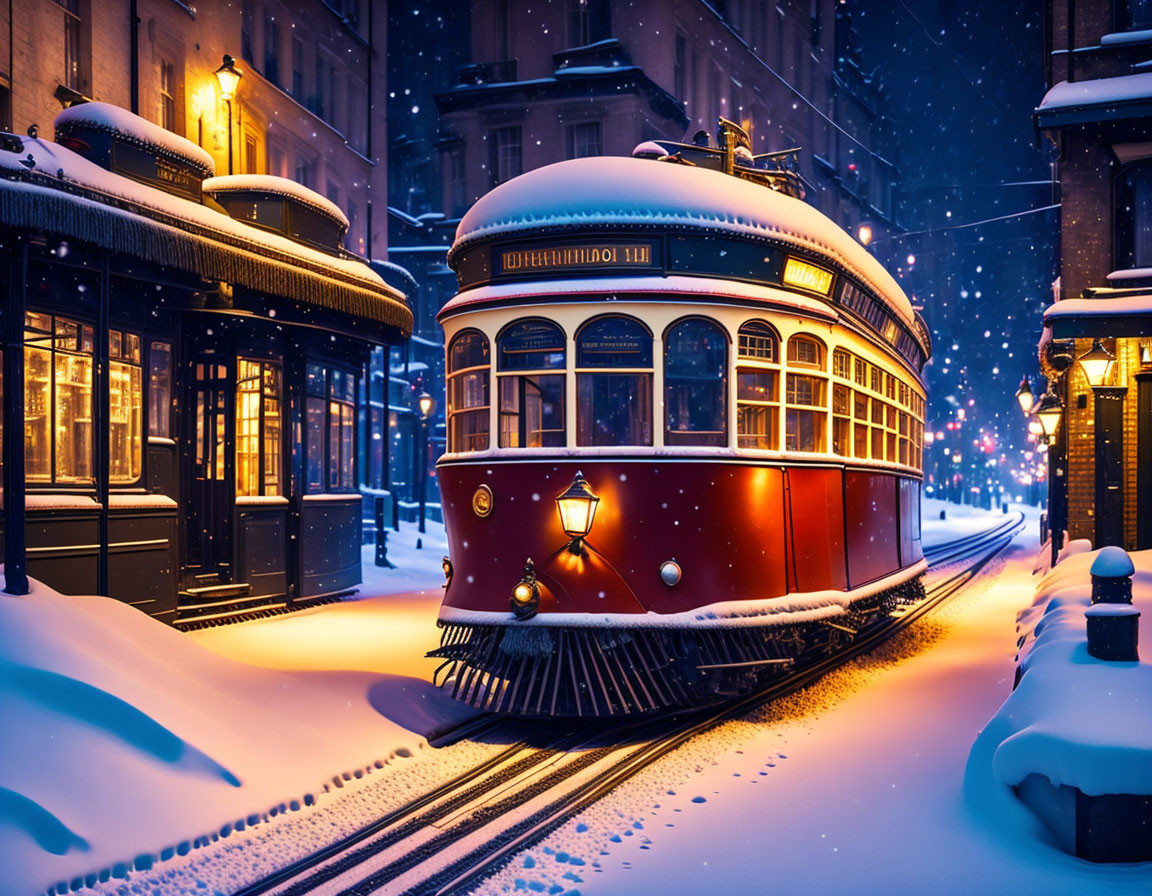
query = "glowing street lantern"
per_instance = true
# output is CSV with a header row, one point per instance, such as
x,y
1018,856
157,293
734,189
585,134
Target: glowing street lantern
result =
x,y
577,508
1048,412
1024,396
228,77
1097,363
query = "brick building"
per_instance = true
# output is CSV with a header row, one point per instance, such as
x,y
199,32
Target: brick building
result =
x,y
302,109
1097,113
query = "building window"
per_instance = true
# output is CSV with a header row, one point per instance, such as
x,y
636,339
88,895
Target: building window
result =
x,y
468,363
303,173
298,67
1135,14
72,41
504,154
584,140
258,428
323,77
578,33
250,156
167,95
275,160
531,400
696,384
57,400
247,46
679,63
457,180
330,425
160,390
125,407
757,387
614,383
271,50
1133,225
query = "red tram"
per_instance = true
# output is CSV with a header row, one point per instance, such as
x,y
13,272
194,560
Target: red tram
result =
x,y
685,417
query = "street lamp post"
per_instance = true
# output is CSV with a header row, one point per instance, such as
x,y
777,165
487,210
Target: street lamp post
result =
x,y
1108,412
228,76
427,405
1048,412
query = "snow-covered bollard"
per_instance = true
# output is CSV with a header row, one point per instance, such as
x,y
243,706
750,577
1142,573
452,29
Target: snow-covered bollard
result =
x,y
1113,623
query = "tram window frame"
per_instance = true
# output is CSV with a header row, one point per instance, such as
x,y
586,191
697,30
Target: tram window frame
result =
x,y
605,384
125,408
806,396
464,384
531,387
330,428
758,377
691,394
159,389
841,420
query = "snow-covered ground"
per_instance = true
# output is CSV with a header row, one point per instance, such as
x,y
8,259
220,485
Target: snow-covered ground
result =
x,y
123,740
857,785
862,784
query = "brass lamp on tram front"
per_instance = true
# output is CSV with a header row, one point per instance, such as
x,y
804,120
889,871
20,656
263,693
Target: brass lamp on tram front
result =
x,y
577,508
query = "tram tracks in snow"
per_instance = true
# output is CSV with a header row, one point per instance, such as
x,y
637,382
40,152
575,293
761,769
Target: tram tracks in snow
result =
x,y
448,840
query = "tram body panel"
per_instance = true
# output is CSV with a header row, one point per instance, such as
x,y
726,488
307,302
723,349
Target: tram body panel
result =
x,y
816,502
870,505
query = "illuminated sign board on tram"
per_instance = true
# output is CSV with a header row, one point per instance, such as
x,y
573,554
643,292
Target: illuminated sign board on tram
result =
x,y
592,256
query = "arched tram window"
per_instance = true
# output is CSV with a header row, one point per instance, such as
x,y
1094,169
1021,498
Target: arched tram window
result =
x,y
758,387
696,384
806,412
614,382
468,363
531,400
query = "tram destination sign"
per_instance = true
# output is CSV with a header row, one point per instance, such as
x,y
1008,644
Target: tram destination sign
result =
x,y
578,257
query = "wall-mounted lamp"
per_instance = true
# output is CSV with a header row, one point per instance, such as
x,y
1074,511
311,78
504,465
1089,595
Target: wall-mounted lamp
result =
x,y
577,508
228,77
1097,364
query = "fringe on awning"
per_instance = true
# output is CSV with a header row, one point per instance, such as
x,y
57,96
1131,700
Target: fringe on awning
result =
x,y
168,240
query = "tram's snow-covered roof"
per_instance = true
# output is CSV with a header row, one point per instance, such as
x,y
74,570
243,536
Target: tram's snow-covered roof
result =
x,y
623,191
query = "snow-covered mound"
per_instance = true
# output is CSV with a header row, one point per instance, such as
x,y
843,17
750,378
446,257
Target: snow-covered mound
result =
x,y
1074,720
124,741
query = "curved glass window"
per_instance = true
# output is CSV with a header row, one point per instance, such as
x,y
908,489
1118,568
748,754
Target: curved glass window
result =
x,y
614,383
531,400
696,384
758,387
806,415
468,363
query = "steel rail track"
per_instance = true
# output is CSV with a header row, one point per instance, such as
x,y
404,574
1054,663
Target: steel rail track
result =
x,y
522,775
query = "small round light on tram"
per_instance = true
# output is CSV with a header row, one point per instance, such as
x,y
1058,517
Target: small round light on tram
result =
x,y
577,508
482,501
670,572
526,595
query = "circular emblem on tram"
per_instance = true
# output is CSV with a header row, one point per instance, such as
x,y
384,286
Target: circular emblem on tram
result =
x,y
482,501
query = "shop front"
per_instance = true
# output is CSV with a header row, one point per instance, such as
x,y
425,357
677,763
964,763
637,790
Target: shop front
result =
x,y
182,354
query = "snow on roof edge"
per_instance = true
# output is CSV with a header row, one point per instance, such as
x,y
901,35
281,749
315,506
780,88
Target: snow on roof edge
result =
x,y
280,186
119,121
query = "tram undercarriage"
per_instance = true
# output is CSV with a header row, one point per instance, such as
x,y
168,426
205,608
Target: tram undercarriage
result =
x,y
542,671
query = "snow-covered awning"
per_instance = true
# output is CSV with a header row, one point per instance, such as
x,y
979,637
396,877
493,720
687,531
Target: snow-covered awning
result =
x,y
46,187
1119,316
1099,99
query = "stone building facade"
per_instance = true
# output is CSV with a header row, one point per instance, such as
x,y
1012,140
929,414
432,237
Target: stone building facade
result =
x,y
311,71
1096,114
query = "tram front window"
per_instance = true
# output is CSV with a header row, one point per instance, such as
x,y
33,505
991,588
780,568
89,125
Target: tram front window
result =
x,y
614,383
695,384
531,400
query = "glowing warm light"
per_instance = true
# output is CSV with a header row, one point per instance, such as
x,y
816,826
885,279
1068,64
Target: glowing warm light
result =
x,y
228,77
911,260
1097,363
1048,412
577,508
427,405
526,595
1024,396
807,276
864,234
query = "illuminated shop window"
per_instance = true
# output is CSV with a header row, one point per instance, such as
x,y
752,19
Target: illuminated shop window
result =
x,y
125,407
57,400
160,390
330,429
696,384
532,399
258,428
614,383
468,404
758,387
